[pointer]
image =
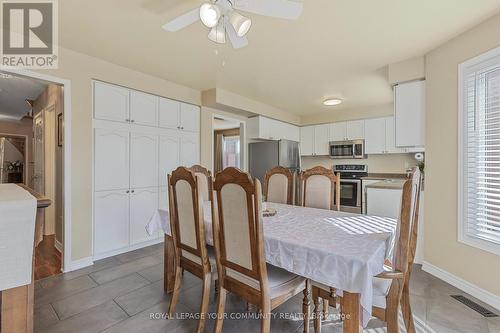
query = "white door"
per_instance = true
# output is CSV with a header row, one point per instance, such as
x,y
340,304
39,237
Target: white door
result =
x,y
307,140
189,150
390,144
190,117
38,153
321,139
355,130
338,131
143,160
169,113
111,102
143,108
143,205
375,136
111,221
111,159
169,156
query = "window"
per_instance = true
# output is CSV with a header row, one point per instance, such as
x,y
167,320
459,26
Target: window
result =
x,y
479,150
231,152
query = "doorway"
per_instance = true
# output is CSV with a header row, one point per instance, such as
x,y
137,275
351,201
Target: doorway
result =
x,y
228,147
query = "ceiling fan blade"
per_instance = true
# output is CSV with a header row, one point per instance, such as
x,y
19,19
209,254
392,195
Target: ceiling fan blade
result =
x,y
285,9
237,42
182,21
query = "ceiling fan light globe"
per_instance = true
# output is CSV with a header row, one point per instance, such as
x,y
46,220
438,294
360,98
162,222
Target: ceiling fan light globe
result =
x,y
209,14
240,23
217,34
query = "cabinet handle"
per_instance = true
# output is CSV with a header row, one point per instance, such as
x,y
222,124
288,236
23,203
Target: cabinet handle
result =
x,y
132,120
127,191
127,120
132,191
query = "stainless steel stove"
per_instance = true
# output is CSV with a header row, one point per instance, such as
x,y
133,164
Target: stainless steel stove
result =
x,y
350,186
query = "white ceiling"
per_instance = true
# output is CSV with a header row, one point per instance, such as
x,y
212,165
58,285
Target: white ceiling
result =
x,y
13,94
336,48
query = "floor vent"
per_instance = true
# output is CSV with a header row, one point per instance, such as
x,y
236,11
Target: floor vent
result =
x,y
474,306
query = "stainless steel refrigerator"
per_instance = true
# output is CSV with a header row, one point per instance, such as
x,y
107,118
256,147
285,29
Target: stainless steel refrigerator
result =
x,y
263,156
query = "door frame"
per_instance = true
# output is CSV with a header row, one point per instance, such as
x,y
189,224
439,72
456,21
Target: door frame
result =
x,y
67,262
243,140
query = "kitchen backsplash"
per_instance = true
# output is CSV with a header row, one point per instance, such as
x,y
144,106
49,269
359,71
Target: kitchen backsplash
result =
x,y
388,163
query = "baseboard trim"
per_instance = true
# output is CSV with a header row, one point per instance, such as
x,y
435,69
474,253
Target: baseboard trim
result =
x,y
127,249
475,291
58,246
78,264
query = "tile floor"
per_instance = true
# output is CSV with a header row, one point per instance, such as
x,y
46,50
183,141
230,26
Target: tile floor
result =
x,y
125,294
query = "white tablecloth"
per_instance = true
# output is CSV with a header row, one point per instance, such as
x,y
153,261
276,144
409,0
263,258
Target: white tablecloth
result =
x,y
338,249
17,232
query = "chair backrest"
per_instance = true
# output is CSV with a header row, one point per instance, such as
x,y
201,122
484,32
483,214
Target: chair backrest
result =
x,y
203,175
320,188
407,229
186,221
278,185
238,235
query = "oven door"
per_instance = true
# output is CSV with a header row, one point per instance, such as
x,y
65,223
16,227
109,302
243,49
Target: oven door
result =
x,y
350,195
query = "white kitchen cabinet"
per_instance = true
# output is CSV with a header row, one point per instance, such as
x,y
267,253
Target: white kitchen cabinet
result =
x,y
375,136
390,144
190,117
307,140
111,221
409,112
189,150
338,131
143,108
355,130
143,205
169,155
262,128
143,160
111,102
169,113
111,159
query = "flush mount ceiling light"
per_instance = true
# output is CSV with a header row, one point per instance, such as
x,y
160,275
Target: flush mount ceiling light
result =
x,y
223,13
332,101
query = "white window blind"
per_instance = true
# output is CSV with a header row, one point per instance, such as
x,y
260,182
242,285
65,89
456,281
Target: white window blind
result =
x,y
480,133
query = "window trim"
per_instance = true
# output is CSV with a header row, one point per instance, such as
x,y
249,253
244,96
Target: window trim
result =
x,y
485,60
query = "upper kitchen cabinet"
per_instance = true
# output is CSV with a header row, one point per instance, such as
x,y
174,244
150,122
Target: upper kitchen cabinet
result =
x,y
143,108
262,128
347,130
409,112
178,115
379,136
314,140
111,102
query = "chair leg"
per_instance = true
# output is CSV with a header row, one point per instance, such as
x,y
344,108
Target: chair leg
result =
x,y
406,309
317,312
177,289
305,307
265,322
392,319
221,304
216,289
205,298
326,306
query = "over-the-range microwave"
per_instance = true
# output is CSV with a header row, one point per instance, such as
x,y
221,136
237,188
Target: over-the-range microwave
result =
x,y
347,149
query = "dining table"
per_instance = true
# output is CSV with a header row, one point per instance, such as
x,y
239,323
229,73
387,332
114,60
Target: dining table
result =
x,y
338,249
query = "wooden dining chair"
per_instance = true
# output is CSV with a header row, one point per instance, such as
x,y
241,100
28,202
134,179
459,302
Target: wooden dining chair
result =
x,y
188,232
204,180
391,287
279,185
320,188
239,248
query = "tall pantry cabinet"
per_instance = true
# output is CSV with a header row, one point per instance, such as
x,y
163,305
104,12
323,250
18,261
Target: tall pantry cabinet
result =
x,y
138,139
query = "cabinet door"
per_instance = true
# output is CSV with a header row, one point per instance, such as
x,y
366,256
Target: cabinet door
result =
x,y
390,146
190,150
169,113
190,117
409,110
375,136
355,129
111,160
307,140
338,131
143,160
111,102
143,205
321,139
111,221
143,108
168,156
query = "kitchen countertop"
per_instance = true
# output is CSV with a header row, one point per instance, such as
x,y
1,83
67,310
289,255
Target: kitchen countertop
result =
x,y
382,176
389,184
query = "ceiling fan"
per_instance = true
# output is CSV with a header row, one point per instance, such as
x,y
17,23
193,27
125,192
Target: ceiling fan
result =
x,y
222,17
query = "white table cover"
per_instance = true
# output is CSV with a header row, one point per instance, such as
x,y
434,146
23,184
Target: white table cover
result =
x,y
338,249
17,232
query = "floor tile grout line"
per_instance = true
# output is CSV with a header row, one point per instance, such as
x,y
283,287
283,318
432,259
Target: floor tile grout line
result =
x,y
114,300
